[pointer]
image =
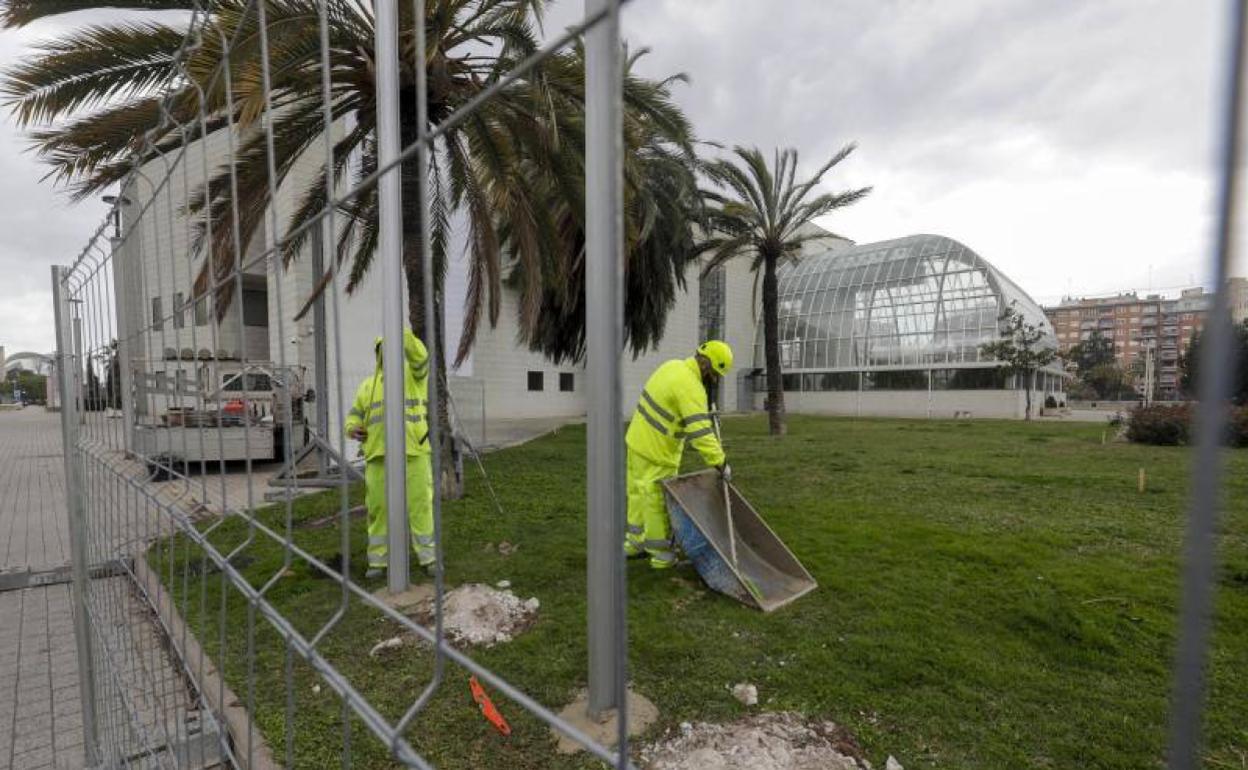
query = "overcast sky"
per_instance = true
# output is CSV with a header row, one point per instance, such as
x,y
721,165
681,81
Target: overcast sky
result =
x,y
1069,142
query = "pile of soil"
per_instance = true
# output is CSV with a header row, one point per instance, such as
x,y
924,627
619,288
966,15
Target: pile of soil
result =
x,y
771,741
475,614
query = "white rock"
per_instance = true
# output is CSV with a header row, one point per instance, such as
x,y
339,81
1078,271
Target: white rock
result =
x,y
892,764
316,689
532,604
746,693
686,728
503,585
393,642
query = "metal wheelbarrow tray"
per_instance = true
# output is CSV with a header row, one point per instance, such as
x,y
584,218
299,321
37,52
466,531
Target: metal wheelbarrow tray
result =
x,y
767,574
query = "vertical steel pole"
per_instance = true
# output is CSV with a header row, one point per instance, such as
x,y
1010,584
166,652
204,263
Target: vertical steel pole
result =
x,y
66,366
121,301
604,295
320,242
1217,366
390,252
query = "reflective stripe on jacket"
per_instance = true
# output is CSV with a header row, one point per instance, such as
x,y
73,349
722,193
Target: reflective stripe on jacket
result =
x,y
369,411
672,410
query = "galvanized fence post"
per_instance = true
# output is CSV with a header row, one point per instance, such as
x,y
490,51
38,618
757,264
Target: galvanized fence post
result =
x,y
604,333
1217,367
67,367
390,254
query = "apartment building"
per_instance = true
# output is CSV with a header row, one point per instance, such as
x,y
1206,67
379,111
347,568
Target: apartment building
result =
x,y
1134,324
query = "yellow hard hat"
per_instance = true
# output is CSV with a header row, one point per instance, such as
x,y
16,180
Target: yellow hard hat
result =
x,y
719,354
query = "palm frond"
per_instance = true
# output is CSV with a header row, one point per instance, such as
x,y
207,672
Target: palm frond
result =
x,y
84,69
19,13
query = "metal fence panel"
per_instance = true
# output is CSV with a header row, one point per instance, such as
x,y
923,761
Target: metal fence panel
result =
x,y
184,413
178,408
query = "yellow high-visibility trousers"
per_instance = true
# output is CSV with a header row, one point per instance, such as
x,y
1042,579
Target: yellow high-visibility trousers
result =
x,y
419,509
648,527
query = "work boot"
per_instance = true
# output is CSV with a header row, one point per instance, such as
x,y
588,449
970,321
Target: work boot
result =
x,y
374,573
662,559
632,550
430,569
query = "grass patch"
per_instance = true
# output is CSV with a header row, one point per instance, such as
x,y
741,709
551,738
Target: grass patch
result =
x,y
992,595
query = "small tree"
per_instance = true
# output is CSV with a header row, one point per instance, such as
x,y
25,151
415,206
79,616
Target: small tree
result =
x,y
1019,349
1096,350
1190,364
1109,380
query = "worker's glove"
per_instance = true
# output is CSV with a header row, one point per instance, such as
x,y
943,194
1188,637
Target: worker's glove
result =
x,y
725,472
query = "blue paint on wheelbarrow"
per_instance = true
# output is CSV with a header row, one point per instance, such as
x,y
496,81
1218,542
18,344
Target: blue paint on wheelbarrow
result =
x,y
766,574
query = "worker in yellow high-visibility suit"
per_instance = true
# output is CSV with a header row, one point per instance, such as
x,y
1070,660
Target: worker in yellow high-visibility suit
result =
x,y
366,424
672,410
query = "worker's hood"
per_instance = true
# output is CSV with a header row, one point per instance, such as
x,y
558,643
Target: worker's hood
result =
x,y
411,348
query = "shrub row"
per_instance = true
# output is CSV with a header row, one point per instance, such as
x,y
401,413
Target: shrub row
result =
x,y
1172,425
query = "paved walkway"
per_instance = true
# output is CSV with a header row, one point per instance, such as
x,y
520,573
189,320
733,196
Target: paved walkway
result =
x,y
40,718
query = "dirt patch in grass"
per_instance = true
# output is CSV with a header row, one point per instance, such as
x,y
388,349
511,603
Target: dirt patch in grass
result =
x,y
775,741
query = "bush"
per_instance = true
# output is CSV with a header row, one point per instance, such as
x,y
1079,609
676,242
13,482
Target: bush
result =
x,y
1162,425
1171,425
1238,427
1050,402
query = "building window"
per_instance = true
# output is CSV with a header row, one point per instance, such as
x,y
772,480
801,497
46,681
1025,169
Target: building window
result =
x,y
535,381
830,381
158,314
912,379
970,379
179,310
255,307
711,305
201,311
567,382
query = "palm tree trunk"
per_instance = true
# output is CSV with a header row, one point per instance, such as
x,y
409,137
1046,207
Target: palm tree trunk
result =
x,y
451,482
771,347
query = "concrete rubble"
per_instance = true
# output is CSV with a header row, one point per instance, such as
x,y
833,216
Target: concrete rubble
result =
x,y
476,614
770,741
746,693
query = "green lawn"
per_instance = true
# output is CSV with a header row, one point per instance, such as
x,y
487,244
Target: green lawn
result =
x,y
992,595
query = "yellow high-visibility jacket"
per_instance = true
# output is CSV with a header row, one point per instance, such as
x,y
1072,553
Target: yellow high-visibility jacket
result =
x,y
673,410
369,407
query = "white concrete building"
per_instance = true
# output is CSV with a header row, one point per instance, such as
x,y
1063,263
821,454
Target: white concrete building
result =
x,y
834,306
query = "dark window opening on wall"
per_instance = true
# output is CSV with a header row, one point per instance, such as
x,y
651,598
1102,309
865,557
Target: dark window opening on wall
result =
x,y
158,315
179,311
201,311
255,307
906,379
970,379
535,381
567,382
830,381
711,291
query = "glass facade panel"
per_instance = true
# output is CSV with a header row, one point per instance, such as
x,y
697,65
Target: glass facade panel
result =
x,y
910,304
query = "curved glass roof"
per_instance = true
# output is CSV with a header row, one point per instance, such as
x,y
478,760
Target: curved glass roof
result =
x,y
912,302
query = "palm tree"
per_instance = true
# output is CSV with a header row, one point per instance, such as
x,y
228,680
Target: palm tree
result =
x,y
514,170
760,214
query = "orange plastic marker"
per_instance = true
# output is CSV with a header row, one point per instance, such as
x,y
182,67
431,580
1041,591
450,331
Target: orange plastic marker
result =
x,y
487,706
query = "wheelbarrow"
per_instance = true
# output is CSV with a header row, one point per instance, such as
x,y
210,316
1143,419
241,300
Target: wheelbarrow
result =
x,y
731,547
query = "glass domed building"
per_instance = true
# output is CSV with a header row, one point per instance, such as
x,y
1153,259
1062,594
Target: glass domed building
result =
x,y
895,328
